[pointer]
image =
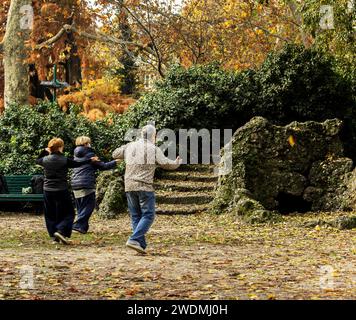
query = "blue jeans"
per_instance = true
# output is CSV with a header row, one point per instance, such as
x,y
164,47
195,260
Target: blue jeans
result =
x,y
85,207
142,210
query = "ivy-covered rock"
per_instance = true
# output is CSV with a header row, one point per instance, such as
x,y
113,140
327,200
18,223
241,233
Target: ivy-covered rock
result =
x,y
349,197
341,223
251,210
344,223
328,180
110,193
298,167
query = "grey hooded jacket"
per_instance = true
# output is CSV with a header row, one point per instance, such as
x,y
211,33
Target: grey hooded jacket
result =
x,y
142,157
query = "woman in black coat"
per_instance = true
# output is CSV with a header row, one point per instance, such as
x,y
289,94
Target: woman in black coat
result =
x,y
59,211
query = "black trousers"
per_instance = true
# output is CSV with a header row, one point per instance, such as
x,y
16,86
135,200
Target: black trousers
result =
x,y
59,212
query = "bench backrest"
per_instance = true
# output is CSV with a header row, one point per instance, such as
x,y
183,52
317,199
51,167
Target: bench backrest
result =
x,y
16,183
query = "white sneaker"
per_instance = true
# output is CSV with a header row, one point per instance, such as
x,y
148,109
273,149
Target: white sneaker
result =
x,y
135,246
61,238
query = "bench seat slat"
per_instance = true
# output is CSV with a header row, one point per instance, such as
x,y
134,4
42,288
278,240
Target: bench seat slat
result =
x,y
14,185
18,195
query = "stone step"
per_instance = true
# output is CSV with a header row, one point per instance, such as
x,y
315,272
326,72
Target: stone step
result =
x,y
191,173
188,190
184,199
197,187
174,209
196,168
184,176
171,182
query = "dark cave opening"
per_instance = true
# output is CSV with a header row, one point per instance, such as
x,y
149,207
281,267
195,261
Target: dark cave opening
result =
x,y
288,203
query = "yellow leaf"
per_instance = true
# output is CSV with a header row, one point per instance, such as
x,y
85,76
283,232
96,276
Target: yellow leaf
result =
x,y
271,297
291,141
243,14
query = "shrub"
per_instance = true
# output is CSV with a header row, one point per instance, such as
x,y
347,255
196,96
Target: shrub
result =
x,y
298,84
26,130
110,192
294,84
199,97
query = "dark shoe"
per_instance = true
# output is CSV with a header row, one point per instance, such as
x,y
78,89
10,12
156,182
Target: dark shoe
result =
x,y
79,230
61,238
54,240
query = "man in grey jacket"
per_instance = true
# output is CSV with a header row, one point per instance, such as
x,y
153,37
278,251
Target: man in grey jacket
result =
x,y
142,157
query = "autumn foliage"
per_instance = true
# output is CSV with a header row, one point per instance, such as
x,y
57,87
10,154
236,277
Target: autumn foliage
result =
x,y
140,40
98,98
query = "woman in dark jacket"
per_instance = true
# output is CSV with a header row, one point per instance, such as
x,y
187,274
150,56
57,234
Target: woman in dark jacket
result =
x,y
59,211
84,182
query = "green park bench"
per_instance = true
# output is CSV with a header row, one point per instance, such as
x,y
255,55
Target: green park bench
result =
x,y
15,185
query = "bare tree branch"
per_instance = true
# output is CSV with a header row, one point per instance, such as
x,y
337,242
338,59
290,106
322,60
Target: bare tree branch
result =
x,y
293,6
270,33
54,39
98,36
153,42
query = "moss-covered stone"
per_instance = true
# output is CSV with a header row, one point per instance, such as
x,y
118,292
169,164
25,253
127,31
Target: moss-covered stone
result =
x,y
300,165
262,216
111,199
250,210
341,223
348,201
328,180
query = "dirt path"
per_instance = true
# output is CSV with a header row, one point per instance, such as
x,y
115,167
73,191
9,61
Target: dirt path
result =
x,y
196,257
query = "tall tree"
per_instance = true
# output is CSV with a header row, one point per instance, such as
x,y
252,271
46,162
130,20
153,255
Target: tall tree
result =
x,y
127,59
15,49
334,28
23,45
237,33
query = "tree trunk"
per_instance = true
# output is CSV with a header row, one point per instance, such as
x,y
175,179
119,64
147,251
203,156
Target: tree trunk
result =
x,y
73,64
16,54
128,70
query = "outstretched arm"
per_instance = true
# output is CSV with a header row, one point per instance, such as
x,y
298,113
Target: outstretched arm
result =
x,y
75,164
166,163
105,165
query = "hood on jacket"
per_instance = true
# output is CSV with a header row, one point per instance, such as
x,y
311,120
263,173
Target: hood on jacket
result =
x,y
82,153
